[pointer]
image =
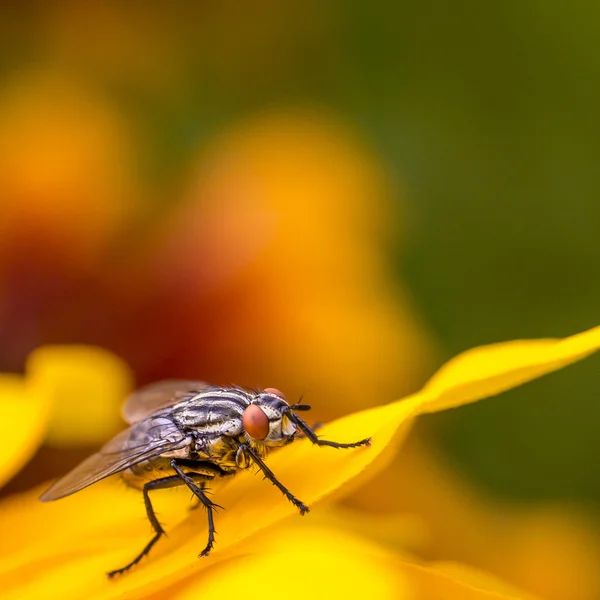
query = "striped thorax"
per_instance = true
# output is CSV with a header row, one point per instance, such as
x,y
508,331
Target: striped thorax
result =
x,y
221,419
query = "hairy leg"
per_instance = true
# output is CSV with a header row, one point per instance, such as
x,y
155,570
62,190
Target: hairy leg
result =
x,y
157,484
188,479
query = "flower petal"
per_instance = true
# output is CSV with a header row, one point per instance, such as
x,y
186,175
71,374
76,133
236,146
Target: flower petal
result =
x,y
98,522
86,386
445,581
552,550
71,544
305,562
253,504
327,562
106,522
489,370
25,417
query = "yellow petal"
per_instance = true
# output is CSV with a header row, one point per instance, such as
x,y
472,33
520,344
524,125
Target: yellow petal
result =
x,y
86,387
552,551
304,562
106,523
24,421
98,524
445,581
489,370
72,543
326,562
399,529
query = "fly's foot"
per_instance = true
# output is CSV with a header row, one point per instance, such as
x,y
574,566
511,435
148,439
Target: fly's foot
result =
x,y
116,572
209,547
136,560
299,505
112,574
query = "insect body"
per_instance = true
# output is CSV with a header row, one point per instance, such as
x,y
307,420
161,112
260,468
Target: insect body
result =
x,y
187,433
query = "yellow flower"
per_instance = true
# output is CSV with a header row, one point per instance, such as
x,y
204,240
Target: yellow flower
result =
x,y
26,414
63,549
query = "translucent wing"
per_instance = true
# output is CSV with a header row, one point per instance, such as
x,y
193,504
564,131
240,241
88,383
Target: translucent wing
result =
x,y
116,456
150,398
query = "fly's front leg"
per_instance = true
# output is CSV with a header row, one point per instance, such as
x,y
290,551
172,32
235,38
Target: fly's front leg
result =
x,y
314,427
187,478
312,436
246,449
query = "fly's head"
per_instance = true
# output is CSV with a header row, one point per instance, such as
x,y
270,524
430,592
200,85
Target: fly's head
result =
x,y
269,421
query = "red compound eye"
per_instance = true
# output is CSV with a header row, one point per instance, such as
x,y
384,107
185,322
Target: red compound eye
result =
x,y
275,392
255,422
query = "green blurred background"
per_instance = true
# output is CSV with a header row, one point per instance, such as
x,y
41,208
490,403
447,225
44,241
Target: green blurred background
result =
x,y
488,114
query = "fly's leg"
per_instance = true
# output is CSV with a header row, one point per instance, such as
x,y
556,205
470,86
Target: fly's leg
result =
x,y
202,470
206,468
312,436
271,477
157,484
314,427
206,502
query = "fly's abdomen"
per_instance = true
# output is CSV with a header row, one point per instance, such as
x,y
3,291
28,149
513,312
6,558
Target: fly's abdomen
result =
x,y
148,432
155,468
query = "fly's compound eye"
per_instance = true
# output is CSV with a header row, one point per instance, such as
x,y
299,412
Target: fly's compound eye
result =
x,y
275,392
255,422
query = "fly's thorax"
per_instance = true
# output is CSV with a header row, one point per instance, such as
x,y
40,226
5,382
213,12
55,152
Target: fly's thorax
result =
x,y
213,412
222,418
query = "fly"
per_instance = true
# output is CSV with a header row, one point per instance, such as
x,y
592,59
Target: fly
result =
x,y
188,433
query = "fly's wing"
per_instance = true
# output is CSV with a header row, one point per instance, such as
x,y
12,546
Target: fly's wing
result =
x,y
113,458
150,398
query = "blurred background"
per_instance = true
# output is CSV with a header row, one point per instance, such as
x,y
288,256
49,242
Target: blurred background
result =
x,y
330,199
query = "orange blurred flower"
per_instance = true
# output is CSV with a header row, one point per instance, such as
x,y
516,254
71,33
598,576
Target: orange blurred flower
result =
x,y
281,232
268,271
66,174
67,180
